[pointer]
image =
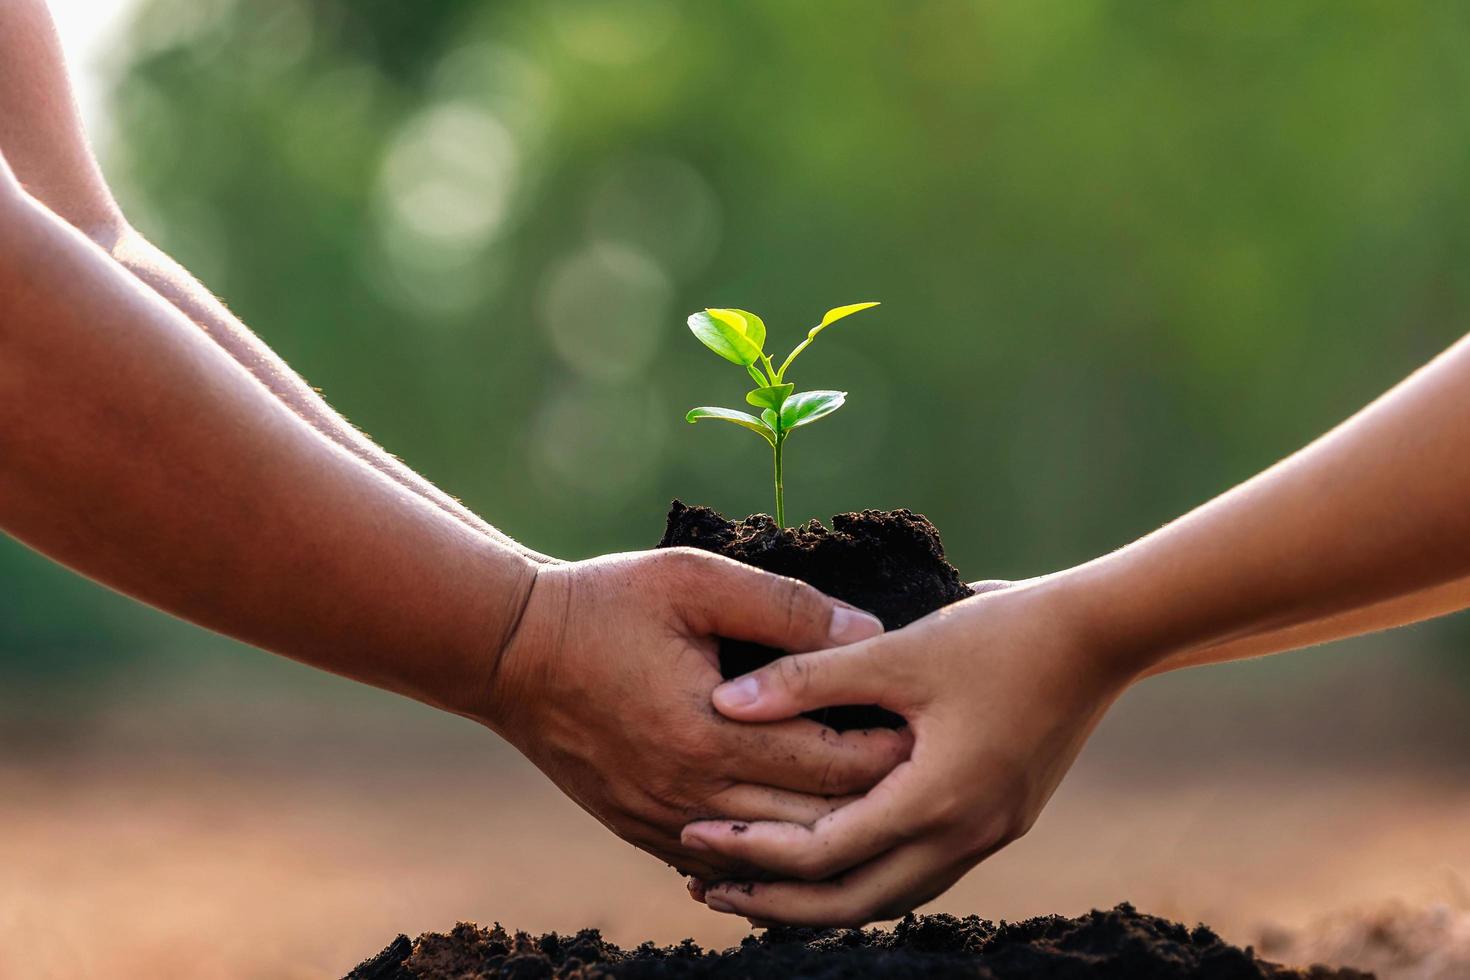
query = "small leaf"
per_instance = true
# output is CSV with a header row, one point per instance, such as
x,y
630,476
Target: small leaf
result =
x,y
723,331
810,406
833,315
769,416
755,327
742,419
769,397
836,314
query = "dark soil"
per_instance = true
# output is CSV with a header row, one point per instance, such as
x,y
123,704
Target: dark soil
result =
x,y
890,563
1118,945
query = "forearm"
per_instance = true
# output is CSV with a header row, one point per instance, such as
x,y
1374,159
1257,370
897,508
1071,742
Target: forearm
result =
x,y
170,280
1416,607
1343,535
141,454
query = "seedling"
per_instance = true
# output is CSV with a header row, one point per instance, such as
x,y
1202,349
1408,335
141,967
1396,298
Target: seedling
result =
x,y
740,338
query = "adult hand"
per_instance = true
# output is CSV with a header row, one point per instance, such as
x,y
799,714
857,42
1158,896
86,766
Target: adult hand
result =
x,y
606,686
1000,691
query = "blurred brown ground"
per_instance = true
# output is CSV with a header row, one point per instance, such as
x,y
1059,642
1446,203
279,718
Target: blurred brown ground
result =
x,y
253,819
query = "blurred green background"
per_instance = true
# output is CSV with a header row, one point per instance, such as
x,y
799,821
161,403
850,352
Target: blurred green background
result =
x,y
1128,254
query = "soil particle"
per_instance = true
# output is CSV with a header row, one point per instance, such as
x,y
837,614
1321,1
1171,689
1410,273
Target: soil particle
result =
x,y
890,563
1121,944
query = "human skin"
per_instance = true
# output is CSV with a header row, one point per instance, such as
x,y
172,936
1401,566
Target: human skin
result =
x,y
42,137
1366,528
165,461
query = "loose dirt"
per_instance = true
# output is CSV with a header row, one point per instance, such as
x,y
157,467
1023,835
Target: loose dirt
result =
x,y
1121,944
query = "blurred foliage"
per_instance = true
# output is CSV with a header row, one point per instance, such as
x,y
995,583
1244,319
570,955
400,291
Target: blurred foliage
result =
x,y
1128,254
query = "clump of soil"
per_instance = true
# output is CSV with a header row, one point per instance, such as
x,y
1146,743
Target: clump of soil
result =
x,y
890,563
1122,944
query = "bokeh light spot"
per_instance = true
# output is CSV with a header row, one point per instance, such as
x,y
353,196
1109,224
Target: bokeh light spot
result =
x,y
613,33
448,177
600,443
660,204
606,309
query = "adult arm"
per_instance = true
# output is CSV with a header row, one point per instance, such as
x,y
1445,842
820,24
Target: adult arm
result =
x,y
1368,526
41,135
139,453
136,451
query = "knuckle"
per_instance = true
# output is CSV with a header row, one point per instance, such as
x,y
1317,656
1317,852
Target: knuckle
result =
x,y
683,743
946,806
701,758
833,778
856,772
1017,827
992,833
662,799
804,607
686,563
793,674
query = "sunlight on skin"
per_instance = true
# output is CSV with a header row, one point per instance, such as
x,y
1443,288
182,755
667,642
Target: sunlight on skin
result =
x,y
91,33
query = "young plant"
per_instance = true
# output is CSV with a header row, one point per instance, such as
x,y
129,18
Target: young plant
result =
x,y
740,338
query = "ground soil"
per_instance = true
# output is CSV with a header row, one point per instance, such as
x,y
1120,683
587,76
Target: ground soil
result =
x,y
1120,944
890,563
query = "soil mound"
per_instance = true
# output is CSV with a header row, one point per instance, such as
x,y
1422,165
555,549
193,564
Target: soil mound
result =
x,y
890,563
1121,944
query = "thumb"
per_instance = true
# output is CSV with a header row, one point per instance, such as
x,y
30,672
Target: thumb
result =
x,y
792,685
744,603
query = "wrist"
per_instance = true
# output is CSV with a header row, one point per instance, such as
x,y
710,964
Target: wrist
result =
x,y
527,651
470,687
1122,630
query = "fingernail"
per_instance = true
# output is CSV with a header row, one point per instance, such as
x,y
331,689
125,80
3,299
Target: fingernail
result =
x,y
740,693
717,903
697,844
851,625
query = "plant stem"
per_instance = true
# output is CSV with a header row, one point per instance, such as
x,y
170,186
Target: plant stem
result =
x,y
780,493
781,374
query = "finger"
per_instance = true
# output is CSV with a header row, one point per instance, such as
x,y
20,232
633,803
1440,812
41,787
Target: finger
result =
x,y
847,837
751,802
740,803
682,860
871,672
808,757
737,601
884,889
990,585
697,889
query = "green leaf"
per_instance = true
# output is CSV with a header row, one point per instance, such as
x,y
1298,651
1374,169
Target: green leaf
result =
x,y
769,397
833,315
724,332
810,406
742,419
769,416
755,327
